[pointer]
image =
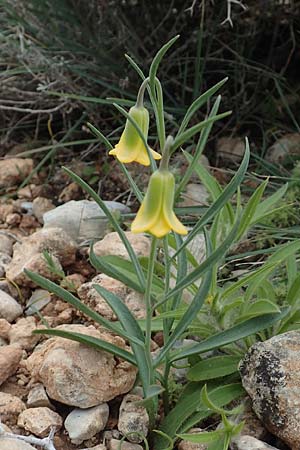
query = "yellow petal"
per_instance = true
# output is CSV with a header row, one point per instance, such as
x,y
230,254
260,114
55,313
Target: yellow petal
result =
x,y
175,224
160,228
143,158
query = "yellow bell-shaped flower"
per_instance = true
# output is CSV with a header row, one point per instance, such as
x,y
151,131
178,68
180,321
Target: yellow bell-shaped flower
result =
x,y
131,148
156,215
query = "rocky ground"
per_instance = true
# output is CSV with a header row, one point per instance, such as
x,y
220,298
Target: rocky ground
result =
x,y
87,397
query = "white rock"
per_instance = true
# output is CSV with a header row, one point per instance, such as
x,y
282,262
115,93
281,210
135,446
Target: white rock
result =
x,y
78,375
82,424
14,444
39,421
38,300
22,333
9,307
83,220
5,260
133,418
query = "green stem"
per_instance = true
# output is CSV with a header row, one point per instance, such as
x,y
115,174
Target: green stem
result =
x,y
149,311
141,93
164,162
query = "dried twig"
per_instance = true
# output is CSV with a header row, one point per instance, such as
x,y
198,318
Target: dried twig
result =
x,y
33,111
228,17
45,443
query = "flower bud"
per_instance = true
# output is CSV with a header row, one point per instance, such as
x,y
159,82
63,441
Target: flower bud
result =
x,y
156,215
131,147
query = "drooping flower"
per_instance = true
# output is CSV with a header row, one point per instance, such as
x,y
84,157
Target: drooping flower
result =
x,y
131,147
156,215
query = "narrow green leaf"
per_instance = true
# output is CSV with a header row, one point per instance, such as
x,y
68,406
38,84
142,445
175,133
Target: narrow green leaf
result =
x,y
190,132
112,220
72,300
250,209
221,198
157,59
258,308
203,437
233,334
198,103
91,341
293,294
215,367
266,207
207,264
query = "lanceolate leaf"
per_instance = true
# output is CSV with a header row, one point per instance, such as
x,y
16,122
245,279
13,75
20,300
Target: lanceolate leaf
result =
x,y
233,334
215,367
91,341
72,300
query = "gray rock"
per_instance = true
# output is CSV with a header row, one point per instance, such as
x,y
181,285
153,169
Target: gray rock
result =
x,y
82,424
270,374
38,300
14,444
250,443
195,194
230,149
111,244
9,307
83,220
284,149
133,418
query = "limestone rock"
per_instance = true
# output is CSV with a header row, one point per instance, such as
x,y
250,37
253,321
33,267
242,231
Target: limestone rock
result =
x,y
14,444
9,307
91,298
10,356
270,374
37,397
28,254
195,194
133,418
284,149
21,333
38,300
97,447
39,421
6,244
4,329
82,424
114,444
14,170
78,375
40,206
5,259
10,408
250,443
230,149
83,220
111,244
186,445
